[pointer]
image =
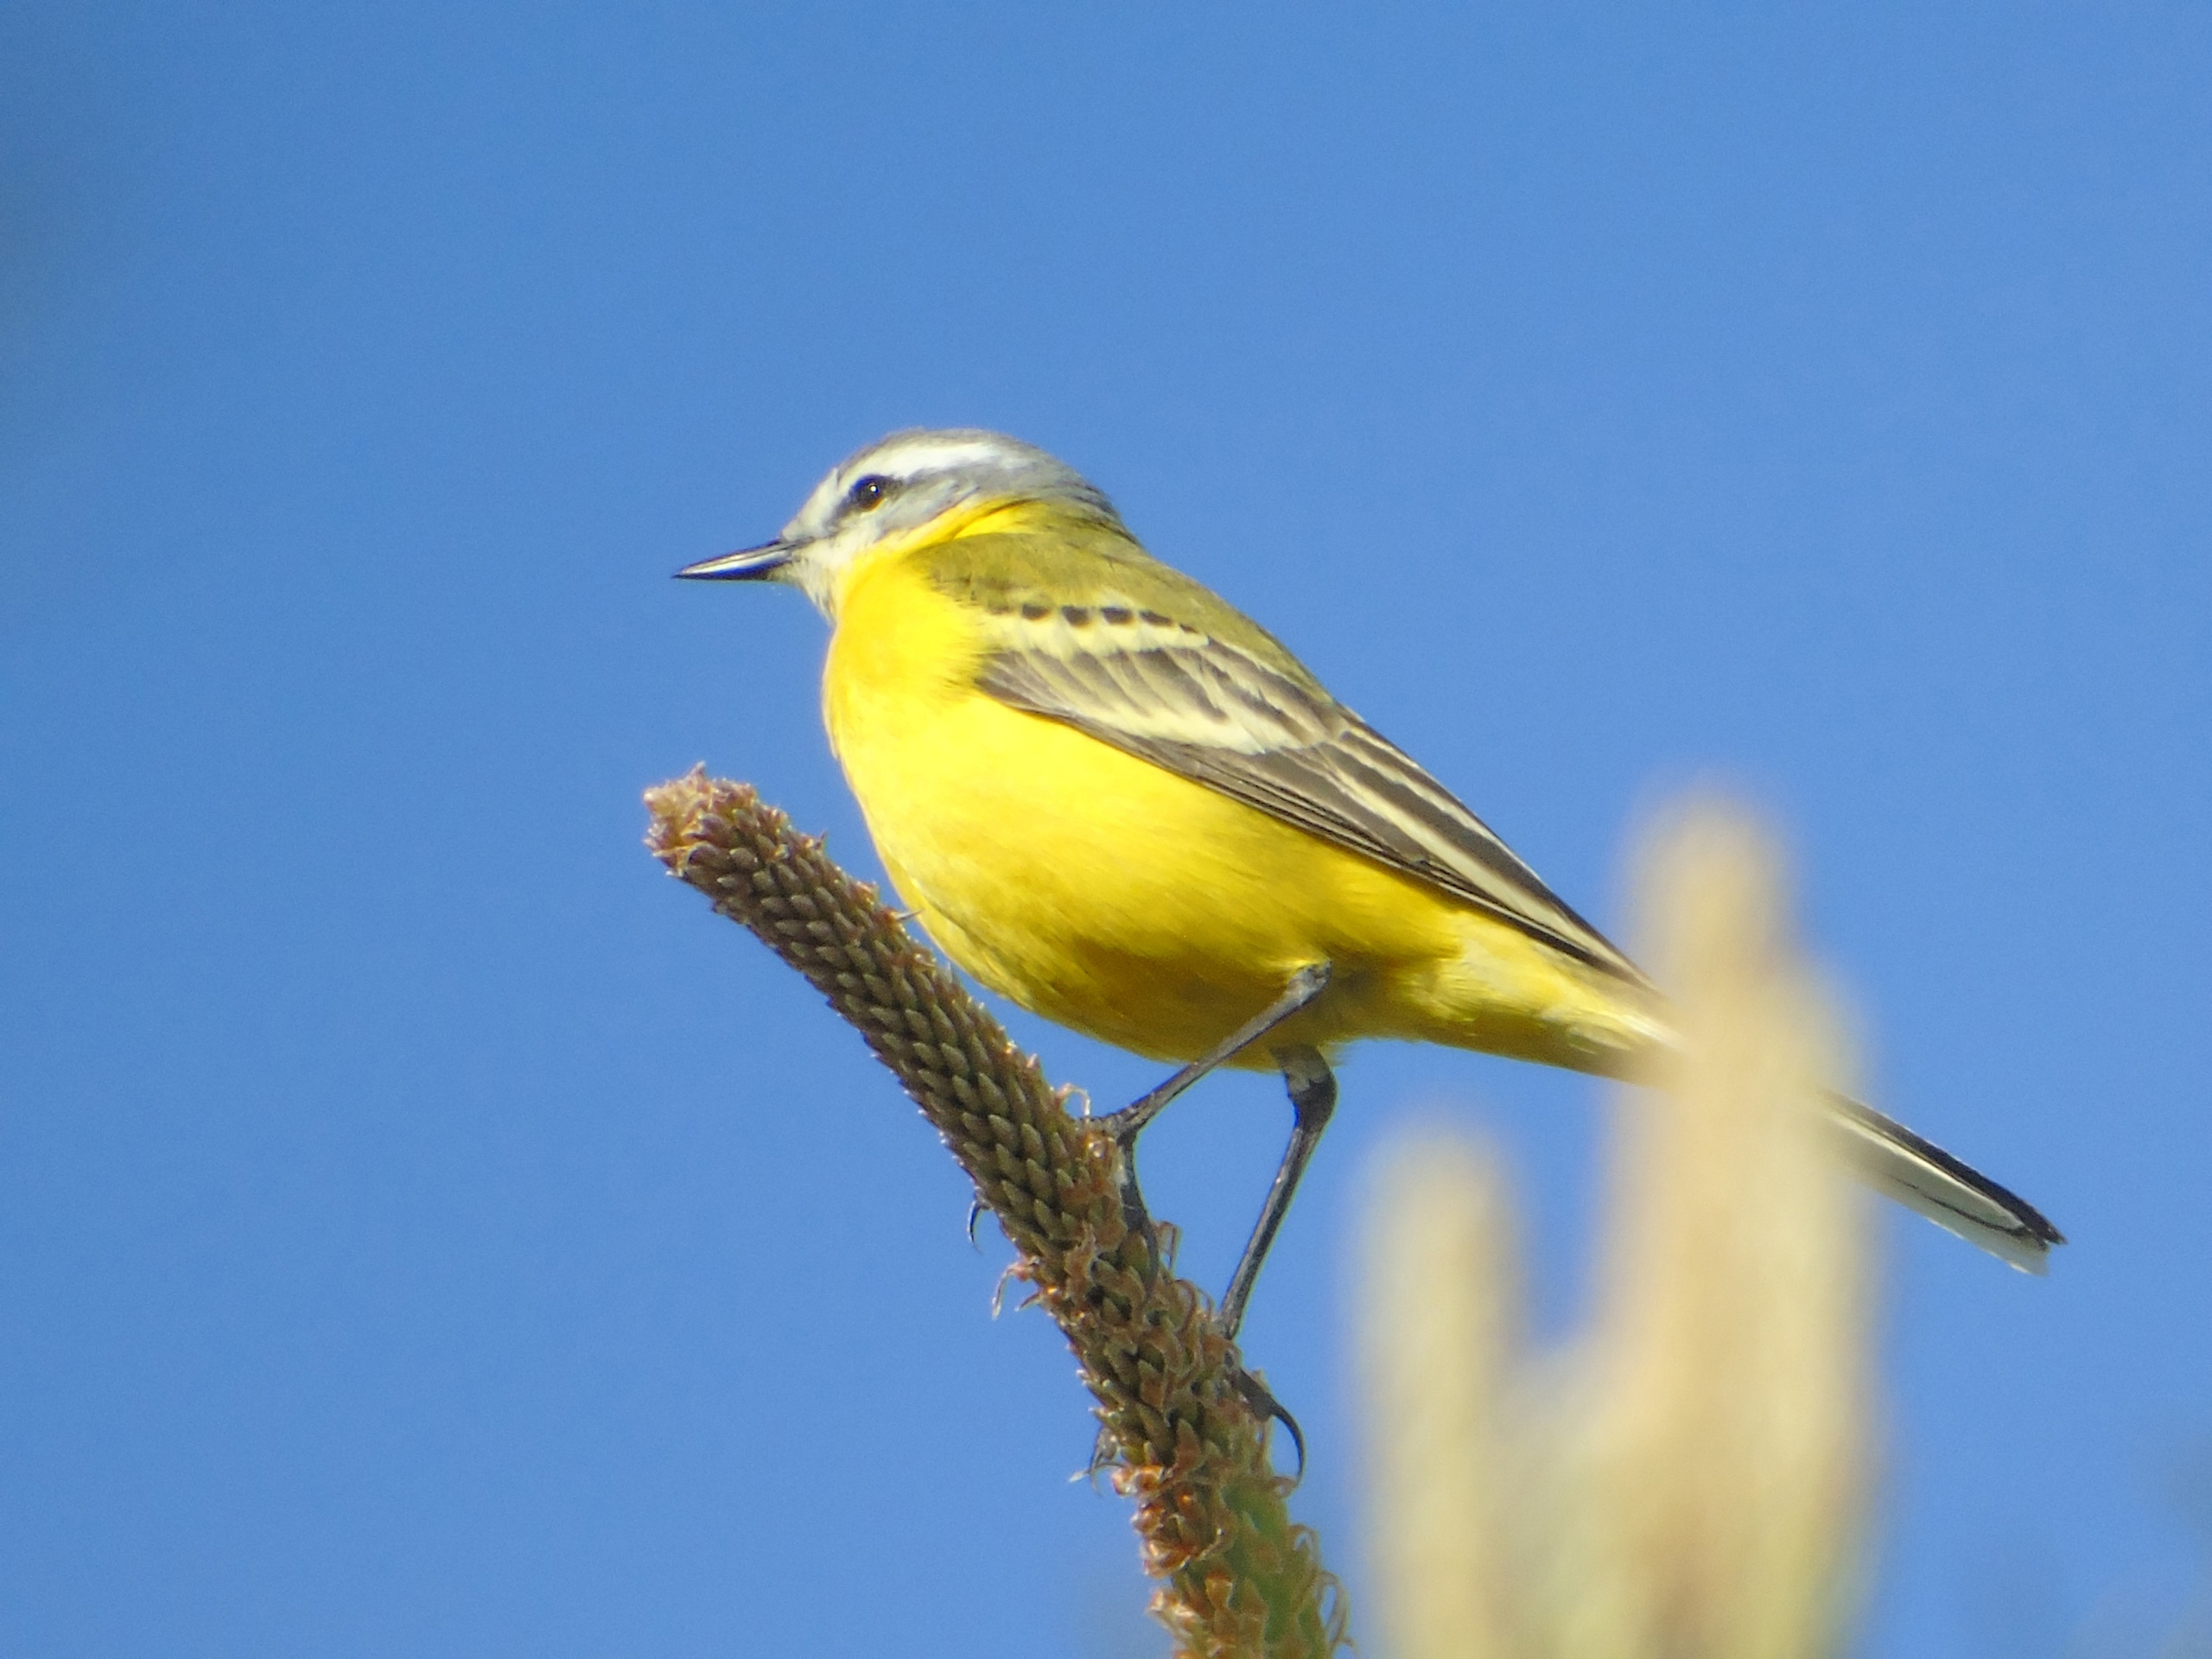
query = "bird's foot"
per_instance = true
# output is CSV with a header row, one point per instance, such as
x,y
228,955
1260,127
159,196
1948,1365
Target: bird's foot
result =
x,y
1270,1409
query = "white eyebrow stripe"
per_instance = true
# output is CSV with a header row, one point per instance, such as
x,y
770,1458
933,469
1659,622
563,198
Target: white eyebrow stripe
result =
x,y
922,454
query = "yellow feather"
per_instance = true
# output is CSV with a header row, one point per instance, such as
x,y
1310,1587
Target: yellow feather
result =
x,y
1118,898
1116,799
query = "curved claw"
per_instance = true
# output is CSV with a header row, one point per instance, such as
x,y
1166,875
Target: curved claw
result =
x,y
975,1215
1257,1396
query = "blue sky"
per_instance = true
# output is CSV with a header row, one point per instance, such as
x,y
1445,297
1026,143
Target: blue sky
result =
x,y
424,1230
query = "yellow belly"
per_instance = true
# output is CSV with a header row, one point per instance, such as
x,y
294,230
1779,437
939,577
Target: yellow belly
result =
x,y
1113,896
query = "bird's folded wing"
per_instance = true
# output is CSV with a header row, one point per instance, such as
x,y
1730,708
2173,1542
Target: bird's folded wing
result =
x,y
1264,732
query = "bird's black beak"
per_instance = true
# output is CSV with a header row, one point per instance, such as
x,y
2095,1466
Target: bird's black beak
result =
x,y
747,564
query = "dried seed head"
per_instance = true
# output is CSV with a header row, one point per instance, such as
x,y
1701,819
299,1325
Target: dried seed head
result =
x,y
1175,1432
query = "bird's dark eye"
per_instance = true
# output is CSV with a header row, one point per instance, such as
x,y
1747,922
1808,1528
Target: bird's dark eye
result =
x,y
868,492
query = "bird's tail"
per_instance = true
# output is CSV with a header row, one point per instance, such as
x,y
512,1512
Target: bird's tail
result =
x,y
1923,1177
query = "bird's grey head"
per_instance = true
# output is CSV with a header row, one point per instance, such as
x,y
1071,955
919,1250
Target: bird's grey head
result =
x,y
895,486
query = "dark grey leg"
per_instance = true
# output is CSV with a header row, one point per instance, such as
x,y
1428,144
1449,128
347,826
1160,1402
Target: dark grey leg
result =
x,y
1128,1123
1305,985
1312,1097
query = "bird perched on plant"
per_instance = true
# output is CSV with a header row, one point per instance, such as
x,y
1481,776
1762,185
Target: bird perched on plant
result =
x,y
1113,797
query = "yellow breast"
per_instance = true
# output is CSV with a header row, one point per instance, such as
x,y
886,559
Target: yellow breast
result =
x,y
1113,896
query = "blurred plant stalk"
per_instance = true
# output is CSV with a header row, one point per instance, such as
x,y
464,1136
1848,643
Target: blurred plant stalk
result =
x,y
1689,1475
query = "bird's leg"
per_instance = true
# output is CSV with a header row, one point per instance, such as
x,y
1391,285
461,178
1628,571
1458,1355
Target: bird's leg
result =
x,y
1306,984
1126,1124
1312,1097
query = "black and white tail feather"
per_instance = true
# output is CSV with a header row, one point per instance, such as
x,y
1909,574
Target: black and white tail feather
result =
x,y
1927,1180
1155,666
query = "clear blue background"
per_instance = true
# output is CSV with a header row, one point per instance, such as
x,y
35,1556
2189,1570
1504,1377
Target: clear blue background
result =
x,y
425,1229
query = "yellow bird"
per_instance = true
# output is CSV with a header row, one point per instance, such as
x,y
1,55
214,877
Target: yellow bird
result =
x,y
1113,797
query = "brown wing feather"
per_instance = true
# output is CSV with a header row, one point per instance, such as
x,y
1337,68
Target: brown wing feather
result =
x,y
1209,711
